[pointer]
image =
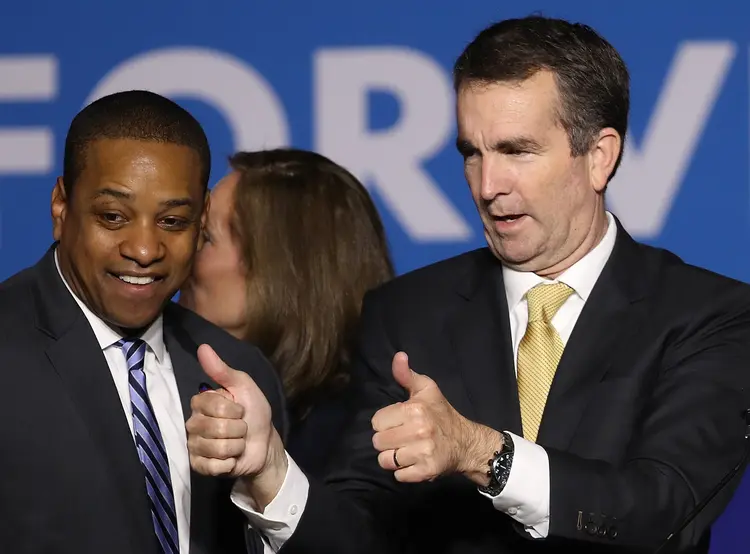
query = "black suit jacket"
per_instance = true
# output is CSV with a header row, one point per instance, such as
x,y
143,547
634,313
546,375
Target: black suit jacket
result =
x,y
642,420
70,478
312,439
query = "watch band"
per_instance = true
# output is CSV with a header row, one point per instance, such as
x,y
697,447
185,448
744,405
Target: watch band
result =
x,y
499,467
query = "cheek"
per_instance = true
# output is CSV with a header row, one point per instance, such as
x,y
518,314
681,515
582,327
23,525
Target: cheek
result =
x,y
94,248
237,287
219,270
474,181
221,290
542,185
473,176
209,270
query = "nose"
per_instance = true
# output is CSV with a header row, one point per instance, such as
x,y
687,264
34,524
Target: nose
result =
x,y
143,245
496,178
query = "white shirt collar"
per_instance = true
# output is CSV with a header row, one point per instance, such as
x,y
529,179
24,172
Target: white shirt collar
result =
x,y
581,276
106,336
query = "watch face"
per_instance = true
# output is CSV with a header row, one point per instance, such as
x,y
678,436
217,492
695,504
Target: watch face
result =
x,y
503,465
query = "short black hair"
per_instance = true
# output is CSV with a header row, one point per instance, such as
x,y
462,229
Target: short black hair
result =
x,y
137,115
591,77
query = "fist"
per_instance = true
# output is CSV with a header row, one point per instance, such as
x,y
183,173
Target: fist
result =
x,y
422,438
229,430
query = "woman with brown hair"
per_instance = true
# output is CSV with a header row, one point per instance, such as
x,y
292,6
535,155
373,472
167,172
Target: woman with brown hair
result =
x,y
293,243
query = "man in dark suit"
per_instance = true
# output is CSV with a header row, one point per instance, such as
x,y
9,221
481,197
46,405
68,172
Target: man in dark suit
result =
x,y
565,388
94,455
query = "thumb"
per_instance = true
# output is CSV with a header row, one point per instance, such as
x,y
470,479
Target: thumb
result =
x,y
217,369
412,381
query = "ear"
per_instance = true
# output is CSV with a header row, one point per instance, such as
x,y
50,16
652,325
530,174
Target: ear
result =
x,y
204,219
603,156
59,208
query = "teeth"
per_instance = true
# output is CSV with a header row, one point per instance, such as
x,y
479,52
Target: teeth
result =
x,y
136,280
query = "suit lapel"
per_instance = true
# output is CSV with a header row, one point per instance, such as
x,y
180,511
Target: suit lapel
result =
x,y
183,351
611,316
480,336
189,376
77,358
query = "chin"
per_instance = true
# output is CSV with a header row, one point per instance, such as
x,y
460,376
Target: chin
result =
x,y
514,253
515,260
134,321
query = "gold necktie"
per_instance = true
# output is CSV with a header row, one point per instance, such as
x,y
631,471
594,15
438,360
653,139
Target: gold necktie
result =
x,y
539,353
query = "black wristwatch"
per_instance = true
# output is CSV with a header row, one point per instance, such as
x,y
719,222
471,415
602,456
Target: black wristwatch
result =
x,y
500,465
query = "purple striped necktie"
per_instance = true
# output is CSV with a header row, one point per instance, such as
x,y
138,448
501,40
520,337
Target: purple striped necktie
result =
x,y
151,449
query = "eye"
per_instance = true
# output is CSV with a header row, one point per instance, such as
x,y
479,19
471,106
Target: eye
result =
x,y
466,149
112,218
468,153
174,223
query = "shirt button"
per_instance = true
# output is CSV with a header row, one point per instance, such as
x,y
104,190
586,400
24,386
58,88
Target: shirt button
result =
x,y
293,509
512,511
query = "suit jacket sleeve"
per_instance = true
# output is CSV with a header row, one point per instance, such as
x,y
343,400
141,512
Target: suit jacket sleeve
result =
x,y
690,437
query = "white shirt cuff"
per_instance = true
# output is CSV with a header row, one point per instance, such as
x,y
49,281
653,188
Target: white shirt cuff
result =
x,y
280,518
525,497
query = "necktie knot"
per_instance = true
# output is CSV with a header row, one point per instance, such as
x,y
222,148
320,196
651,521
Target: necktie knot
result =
x,y
545,300
128,342
134,350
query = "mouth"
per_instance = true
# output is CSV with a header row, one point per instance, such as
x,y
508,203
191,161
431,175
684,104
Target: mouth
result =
x,y
142,280
509,222
509,218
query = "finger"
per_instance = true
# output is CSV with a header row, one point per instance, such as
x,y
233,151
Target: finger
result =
x,y
386,461
413,474
212,467
395,437
389,417
401,370
409,379
219,371
215,404
416,453
223,392
219,449
216,428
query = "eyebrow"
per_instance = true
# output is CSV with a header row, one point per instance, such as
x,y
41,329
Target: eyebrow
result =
x,y
177,202
506,146
122,195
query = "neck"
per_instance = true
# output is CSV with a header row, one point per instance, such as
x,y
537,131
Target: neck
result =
x,y
597,230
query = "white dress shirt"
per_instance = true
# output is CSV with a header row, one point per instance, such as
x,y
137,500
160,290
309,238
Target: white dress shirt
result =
x,y
164,397
525,497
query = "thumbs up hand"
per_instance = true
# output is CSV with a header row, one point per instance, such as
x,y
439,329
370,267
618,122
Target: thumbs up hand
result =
x,y
230,431
425,437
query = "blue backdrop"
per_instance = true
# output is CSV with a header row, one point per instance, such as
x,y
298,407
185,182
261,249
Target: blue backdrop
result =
x,y
369,85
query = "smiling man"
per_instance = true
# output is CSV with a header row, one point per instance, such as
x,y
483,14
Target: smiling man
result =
x,y
94,446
